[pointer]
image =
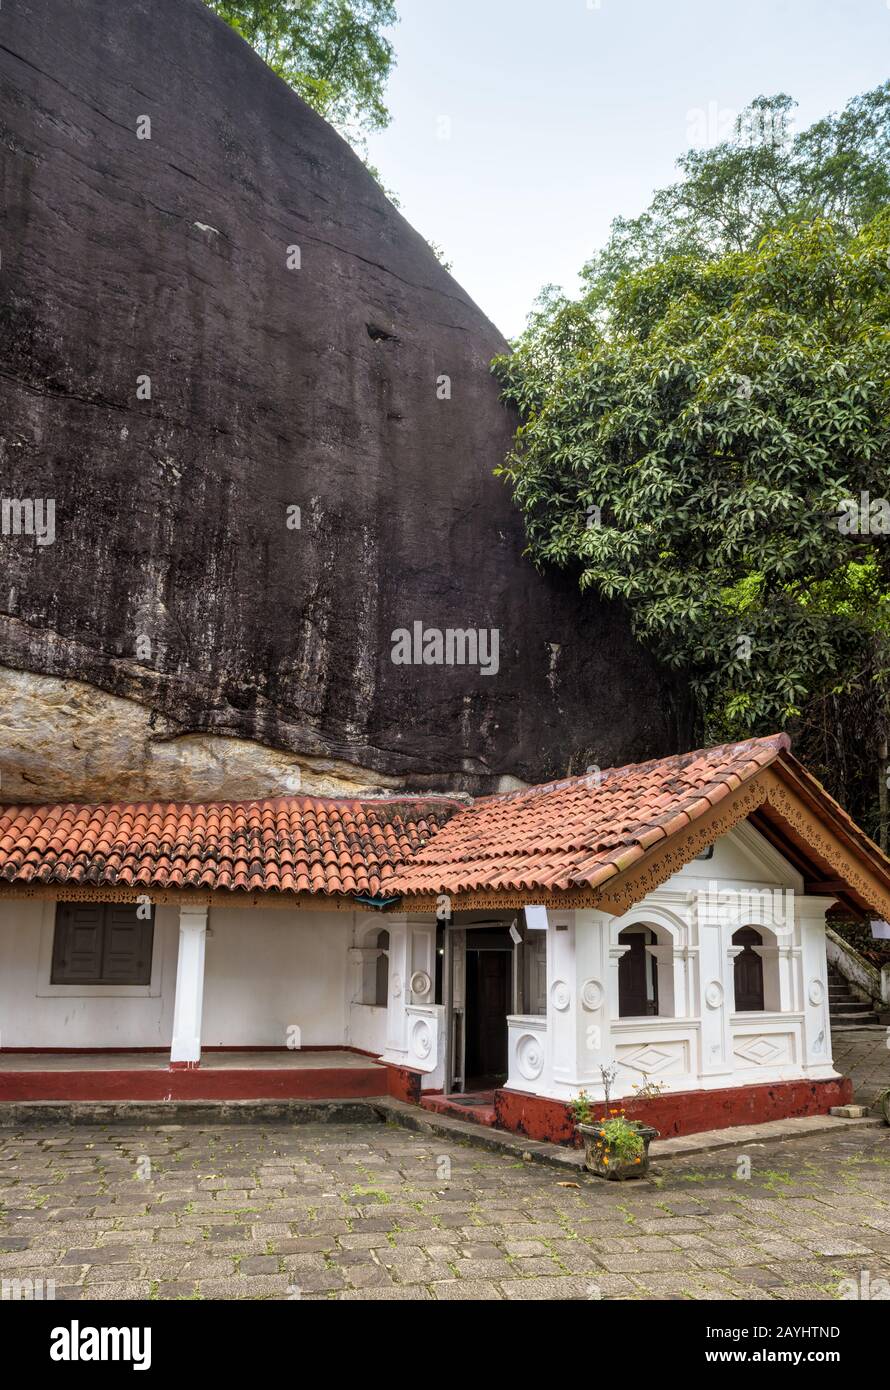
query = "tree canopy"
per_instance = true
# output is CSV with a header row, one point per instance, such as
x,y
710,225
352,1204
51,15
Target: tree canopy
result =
x,y
763,177
332,52
705,435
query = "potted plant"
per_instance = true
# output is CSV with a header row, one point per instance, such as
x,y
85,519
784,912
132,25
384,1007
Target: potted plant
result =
x,y
614,1146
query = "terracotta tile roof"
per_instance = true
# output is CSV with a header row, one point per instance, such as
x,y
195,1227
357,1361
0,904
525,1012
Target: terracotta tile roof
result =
x,y
583,830
301,844
566,834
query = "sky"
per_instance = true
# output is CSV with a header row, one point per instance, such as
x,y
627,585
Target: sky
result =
x,y
521,128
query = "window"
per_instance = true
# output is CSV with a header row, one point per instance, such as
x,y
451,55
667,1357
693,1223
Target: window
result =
x,y
748,971
101,944
637,974
374,992
381,977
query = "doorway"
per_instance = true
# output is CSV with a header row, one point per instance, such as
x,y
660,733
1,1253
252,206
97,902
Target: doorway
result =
x,y
637,975
748,971
489,992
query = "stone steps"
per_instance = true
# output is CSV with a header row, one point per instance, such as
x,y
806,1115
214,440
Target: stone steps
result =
x,y
475,1108
844,1009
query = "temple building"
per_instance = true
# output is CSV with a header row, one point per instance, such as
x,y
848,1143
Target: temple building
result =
x,y
486,957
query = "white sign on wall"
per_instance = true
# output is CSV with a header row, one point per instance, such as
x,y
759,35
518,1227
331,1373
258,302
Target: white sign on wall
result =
x,y
536,918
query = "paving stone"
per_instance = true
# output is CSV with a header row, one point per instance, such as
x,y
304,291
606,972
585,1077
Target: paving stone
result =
x,y
367,1276
258,1264
564,1287
274,1223
467,1290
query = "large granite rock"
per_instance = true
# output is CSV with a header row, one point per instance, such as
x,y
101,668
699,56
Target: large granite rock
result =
x,y
178,637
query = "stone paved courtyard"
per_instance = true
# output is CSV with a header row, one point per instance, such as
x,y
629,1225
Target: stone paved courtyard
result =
x,y
379,1212
863,1055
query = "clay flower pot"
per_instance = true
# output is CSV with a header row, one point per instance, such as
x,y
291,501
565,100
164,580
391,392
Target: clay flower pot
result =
x,y
600,1159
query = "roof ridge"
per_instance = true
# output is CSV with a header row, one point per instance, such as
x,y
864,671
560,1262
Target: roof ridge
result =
x,y
778,743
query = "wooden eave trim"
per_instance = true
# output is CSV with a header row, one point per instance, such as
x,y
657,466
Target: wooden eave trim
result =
x,y
178,897
853,858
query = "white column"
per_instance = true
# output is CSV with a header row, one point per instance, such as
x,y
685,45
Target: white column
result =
x,y
814,981
399,961
412,979
715,988
582,998
186,1046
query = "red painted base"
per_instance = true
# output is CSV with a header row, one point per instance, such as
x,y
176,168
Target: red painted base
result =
x,y
403,1083
681,1112
195,1083
478,1107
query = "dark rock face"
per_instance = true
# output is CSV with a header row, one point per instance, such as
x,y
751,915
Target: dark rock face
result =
x,y
174,578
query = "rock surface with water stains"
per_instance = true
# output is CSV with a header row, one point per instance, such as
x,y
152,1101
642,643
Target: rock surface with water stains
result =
x,y
175,602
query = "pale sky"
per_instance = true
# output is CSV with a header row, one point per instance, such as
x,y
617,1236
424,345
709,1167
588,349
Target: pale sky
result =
x,y
522,127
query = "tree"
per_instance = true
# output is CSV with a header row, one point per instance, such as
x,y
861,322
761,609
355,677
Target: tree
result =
x,y
762,178
332,52
709,442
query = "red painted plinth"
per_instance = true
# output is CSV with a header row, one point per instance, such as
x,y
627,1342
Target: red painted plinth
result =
x,y
680,1112
195,1083
403,1083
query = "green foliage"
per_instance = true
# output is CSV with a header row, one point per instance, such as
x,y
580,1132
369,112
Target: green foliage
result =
x,y
332,52
687,441
763,178
621,1140
618,1139
582,1109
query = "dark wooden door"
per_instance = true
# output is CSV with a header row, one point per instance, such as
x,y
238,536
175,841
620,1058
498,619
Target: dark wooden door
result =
x,y
637,980
748,972
488,1003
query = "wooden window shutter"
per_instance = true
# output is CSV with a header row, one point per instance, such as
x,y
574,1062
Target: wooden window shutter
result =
x,y
126,954
101,944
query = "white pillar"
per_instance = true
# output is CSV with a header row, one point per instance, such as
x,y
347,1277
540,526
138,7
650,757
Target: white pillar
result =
x,y
714,999
814,981
412,978
397,1000
187,1010
582,998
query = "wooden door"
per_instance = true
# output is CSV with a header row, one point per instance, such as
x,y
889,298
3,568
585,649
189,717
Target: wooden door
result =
x,y
637,977
488,1003
748,972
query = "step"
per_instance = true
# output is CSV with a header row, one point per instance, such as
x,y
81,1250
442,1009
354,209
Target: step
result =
x,y
473,1108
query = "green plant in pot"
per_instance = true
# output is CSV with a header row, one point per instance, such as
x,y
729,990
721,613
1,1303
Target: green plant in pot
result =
x,y
614,1146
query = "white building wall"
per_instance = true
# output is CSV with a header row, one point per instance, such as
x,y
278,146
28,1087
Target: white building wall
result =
x,y
698,1040
34,1013
270,971
266,971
